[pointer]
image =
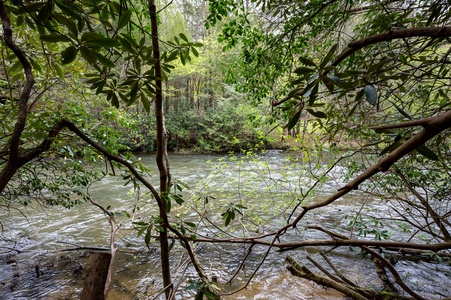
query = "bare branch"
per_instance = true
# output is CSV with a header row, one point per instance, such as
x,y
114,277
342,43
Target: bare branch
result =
x,y
392,270
429,209
419,122
433,127
299,270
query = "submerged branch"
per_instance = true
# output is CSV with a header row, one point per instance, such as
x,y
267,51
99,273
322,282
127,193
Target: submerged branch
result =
x,y
302,271
358,293
379,258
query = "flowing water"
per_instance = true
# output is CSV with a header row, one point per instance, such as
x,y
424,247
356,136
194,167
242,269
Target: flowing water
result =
x,y
42,270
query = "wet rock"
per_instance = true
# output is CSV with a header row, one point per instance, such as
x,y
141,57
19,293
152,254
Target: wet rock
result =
x,y
11,260
14,285
78,270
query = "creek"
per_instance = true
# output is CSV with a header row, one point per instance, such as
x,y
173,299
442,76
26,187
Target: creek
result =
x,y
267,185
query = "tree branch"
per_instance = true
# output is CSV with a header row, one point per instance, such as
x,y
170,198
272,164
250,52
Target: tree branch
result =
x,y
29,82
433,127
435,216
393,271
432,32
299,270
11,166
287,246
412,123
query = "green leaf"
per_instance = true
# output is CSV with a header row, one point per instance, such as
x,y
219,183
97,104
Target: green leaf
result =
x,y
35,64
103,60
183,37
401,111
58,70
171,245
171,57
70,9
88,55
313,94
106,23
190,224
428,153
115,101
359,95
71,26
398,142
126,45
318,114
194,50
33,7
303,70
307,61
129,39
348,73
95,39
81,24
329,83
45,13
328,56
69,55
210,295
370,94
352,111
141,223
147,237
168,205
145,102
182,59
179,200
199,295
124,19
54,38
134,91
335,79
294,120
228,219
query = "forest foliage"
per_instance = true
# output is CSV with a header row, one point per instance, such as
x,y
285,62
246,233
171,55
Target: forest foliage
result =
x,y
367,81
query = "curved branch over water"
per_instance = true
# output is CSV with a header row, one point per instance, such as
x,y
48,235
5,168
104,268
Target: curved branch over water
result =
x,y
432,32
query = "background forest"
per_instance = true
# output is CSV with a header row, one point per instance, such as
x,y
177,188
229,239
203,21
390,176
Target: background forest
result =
x,y
358,91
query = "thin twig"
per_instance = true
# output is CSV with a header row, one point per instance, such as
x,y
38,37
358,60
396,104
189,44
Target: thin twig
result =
x,y
249,251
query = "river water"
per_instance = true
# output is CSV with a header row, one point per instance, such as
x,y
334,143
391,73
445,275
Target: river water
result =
x,y
268,185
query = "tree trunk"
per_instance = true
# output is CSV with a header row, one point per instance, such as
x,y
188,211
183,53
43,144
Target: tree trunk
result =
x,y
14,160
95,285
161,155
